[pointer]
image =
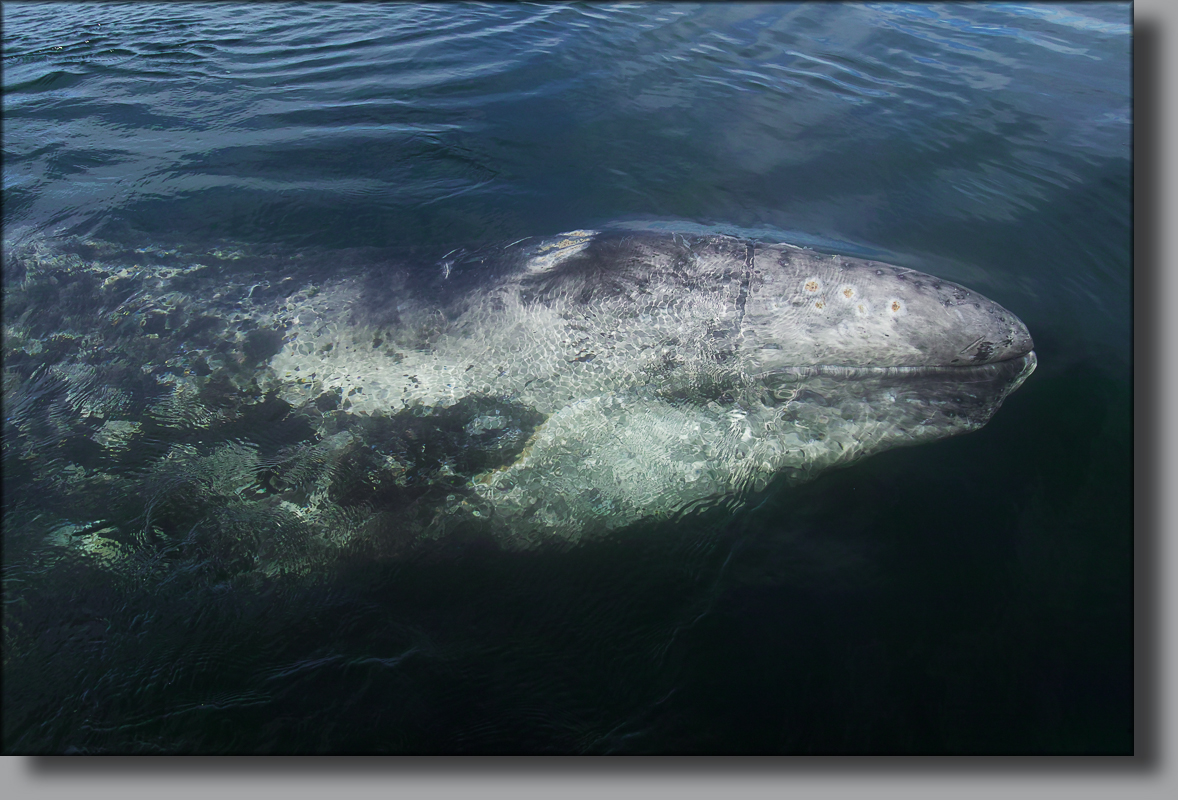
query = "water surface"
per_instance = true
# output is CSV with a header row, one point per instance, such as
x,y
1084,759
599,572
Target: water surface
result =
x,y
969,596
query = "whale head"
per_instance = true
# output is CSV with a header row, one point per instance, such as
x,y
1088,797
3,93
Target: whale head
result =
x,y
693,370
806,309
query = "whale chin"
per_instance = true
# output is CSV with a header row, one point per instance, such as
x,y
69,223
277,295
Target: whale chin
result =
x,y
609,461
897,406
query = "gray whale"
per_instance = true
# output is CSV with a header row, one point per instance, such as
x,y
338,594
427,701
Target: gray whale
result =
x,y
673,370
545,390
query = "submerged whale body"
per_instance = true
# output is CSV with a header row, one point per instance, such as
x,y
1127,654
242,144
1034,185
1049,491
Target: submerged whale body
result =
x,y
670,371
544,390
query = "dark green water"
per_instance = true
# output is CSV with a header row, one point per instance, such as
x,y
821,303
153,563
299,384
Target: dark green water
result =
x,y
968,596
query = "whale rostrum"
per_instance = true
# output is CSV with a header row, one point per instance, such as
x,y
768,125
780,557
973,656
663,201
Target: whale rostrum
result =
x,y
544,390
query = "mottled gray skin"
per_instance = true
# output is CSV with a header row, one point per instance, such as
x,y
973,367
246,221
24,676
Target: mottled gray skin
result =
x,y
805,308
541,391
673,371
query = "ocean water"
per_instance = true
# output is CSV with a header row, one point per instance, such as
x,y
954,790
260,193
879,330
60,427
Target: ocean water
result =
x,y
969,596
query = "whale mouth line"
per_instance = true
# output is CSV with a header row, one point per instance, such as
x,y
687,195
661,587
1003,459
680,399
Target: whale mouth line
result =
x,y
1010,365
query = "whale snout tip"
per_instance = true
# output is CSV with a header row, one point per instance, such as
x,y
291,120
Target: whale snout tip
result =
x,y
1015,341
998,336
1022,343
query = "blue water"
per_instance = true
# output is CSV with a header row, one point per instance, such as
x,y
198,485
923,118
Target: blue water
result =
x,y
970,596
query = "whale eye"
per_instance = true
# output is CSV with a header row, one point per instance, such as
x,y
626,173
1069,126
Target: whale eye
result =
x,y
812,285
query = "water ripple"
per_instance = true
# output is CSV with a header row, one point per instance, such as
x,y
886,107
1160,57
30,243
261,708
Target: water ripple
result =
x,y
986,142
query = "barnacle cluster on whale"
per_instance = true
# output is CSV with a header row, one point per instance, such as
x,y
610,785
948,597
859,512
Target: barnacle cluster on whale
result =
x,y
262,409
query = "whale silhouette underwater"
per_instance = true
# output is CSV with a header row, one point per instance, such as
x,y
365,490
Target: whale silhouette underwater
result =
x,y
542,391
